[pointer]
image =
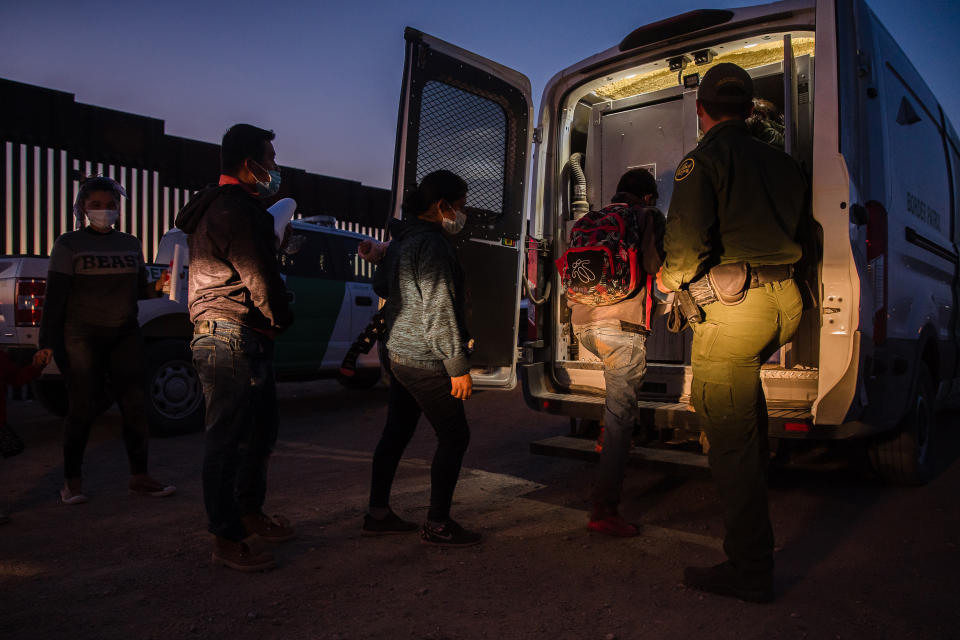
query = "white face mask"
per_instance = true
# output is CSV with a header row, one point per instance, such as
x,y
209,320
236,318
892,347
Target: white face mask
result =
x,y
455,226
103,218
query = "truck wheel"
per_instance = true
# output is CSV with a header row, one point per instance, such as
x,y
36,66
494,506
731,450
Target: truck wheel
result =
x,y
51,394
906,456
361,379
174,397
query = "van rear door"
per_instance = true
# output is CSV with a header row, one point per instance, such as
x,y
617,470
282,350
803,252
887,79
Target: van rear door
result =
x,y
472,116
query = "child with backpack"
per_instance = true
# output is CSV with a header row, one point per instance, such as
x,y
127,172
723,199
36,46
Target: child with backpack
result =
x,y
607,271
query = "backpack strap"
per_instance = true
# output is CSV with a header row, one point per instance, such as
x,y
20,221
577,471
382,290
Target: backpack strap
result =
x,y
648,303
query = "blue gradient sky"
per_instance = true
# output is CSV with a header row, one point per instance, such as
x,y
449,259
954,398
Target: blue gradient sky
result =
x,y
326,77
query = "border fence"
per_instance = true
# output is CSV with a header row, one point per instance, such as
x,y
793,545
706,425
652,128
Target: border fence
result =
x,y
48,141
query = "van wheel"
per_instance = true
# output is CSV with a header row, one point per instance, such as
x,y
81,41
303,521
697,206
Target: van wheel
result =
x,y
361,379
906,457
174,397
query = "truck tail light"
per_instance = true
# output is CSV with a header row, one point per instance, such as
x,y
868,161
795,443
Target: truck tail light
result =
x,y
30,293
877,267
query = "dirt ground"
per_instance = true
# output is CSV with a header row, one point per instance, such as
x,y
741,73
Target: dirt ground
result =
x,y
855,559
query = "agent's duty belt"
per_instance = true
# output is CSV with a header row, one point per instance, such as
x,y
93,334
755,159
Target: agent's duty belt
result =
x,y
704,289
764,274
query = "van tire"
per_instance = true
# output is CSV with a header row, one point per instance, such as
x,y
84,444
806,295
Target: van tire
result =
x,y
174,397
907,456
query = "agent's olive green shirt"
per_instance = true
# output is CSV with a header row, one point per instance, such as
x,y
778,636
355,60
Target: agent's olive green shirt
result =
x,y
735,199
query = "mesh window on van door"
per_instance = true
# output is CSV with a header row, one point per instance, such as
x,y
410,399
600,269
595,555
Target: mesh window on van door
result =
x,y
467,134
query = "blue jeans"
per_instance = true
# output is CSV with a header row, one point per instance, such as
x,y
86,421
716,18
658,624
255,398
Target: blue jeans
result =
x,y
624,357
235,367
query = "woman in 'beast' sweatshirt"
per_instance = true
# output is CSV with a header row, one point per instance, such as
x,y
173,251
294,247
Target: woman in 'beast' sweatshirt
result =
x,y
422,282
89,323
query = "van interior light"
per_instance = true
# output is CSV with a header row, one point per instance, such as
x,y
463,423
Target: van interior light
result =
x,y
678,63
749,45
691,81
704,56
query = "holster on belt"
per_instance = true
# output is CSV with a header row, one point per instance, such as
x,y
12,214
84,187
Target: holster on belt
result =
x,y
683,310
724,283
729,282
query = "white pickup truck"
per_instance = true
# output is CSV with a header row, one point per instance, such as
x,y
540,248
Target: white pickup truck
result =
x,y
175,401
331,292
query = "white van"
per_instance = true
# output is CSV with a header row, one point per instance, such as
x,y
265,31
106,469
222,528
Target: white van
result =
x,y
879,352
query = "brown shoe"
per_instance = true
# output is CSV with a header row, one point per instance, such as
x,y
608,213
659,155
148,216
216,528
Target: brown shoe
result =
x,y
143,485
275,529
250,554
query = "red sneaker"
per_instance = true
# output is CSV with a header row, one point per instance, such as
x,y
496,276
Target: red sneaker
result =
x,y
614,526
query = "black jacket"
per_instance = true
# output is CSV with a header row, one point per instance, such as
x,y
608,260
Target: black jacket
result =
x,y
234,273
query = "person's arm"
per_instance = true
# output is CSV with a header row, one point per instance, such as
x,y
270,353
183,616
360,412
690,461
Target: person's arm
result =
x,y
692,217
253,258
372,251
435,278
145,288
32,371
383,275
651,240
59,281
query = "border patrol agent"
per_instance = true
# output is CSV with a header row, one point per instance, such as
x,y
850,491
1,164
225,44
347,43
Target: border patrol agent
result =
x,y
737,203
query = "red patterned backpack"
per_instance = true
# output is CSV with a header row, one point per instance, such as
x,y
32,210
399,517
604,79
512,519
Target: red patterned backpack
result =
x,y
601,264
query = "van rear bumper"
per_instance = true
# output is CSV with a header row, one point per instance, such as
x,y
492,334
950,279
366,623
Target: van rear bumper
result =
x,y
541,394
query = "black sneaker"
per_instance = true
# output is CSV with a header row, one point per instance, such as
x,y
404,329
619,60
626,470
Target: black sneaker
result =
x,y
392,523
723,580
450,534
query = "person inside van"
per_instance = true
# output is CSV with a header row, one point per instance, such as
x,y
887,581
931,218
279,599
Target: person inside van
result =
x,y
616,333
89,324
766,123
423,284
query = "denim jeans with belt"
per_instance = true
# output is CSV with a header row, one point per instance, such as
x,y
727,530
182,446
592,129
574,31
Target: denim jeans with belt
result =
x,y
624,357
235,366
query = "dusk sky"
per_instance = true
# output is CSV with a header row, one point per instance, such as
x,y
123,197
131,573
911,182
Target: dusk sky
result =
x,y
326,76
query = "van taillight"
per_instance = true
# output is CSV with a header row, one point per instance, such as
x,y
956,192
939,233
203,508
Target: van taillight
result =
x,y
877,267
30,293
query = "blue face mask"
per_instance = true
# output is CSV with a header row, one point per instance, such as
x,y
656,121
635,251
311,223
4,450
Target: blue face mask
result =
x,y
267,189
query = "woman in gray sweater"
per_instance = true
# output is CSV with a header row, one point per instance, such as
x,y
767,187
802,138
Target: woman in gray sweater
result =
x,y
422,282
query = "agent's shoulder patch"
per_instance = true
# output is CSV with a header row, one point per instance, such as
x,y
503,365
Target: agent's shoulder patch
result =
x,y
684,170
